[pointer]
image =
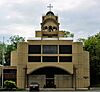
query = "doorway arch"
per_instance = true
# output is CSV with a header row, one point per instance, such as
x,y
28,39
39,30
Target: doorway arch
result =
x,y
51,77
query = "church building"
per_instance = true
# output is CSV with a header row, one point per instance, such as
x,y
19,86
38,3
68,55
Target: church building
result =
x,y
51,59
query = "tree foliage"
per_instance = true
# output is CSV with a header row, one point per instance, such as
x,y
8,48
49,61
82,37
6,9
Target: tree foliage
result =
x,y
2,47
13,41
92,44
68,34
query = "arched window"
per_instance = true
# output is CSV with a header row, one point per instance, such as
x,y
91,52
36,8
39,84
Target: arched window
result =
x,y
54,28
50,29
45,27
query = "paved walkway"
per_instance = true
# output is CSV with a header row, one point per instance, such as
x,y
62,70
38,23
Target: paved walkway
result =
x,y
63,89
68,90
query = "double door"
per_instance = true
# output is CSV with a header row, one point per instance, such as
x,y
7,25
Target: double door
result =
x,y
50,81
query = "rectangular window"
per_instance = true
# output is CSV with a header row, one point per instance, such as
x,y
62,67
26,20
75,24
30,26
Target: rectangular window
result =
x,y
10,71
50,49
65,58
34,58
65,49
34,49
50,59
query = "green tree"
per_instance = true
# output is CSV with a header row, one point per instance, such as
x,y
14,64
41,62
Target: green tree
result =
x,y
68,34
2,47
13,40
92,44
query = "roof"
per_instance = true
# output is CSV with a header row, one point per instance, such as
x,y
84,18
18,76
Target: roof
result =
x,y
50,13
39,38
9,67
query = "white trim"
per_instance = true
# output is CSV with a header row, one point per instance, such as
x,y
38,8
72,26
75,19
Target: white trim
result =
x,y
39,38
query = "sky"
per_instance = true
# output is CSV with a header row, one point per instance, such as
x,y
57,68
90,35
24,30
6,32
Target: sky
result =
x,y
23,17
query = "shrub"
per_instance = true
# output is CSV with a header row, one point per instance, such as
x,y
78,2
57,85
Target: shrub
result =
x,y
9,84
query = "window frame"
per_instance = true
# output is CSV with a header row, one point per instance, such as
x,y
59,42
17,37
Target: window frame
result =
x,y
34,49
44,51
65,49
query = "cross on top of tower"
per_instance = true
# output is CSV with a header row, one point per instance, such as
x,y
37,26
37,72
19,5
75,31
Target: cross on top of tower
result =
x,y
50,6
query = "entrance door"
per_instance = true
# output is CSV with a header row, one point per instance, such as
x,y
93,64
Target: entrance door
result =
x,y
50,81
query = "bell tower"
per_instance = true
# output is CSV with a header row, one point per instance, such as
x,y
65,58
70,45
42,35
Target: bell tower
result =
x,y
50,26
50,22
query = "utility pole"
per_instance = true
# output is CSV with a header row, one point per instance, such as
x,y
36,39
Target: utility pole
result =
x,y
3,60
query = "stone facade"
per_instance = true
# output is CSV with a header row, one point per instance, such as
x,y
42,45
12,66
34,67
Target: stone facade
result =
x,y
71,68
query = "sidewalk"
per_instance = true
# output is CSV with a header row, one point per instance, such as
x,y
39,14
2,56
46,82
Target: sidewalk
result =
x,y
63,89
